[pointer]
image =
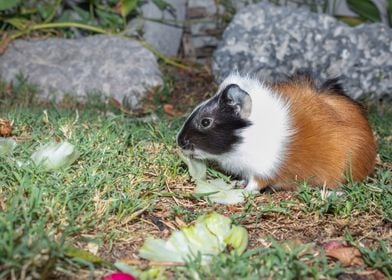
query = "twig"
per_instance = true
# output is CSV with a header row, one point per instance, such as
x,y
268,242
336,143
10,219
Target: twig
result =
x,y
170,191
135,215
164,58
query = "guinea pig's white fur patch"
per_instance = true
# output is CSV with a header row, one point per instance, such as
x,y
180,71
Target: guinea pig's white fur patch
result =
x,y
264,144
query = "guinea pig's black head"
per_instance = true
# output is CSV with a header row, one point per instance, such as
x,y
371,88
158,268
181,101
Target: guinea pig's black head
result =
x,y
212,128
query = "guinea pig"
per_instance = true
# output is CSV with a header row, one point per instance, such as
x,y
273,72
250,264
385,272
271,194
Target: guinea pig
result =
x,y
280,134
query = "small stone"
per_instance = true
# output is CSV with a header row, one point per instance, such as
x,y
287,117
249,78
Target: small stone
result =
x,y
162,29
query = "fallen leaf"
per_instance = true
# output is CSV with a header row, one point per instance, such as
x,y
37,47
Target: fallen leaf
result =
x,y
151,273
7,145
5,128
220,192
234,208
295,244
126,268
55,155
346,255
208,236
168,109
333,244
237,239
75,252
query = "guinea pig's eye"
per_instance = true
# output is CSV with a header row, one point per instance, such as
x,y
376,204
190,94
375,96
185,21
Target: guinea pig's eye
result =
x,y
206,122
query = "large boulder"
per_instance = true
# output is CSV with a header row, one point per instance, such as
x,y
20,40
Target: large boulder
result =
x,y
273,42
114,66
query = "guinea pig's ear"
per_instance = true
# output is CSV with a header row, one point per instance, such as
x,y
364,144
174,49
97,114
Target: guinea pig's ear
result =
x,y
233,96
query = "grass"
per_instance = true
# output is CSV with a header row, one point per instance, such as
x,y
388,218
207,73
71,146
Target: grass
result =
x,y
274,262
129,183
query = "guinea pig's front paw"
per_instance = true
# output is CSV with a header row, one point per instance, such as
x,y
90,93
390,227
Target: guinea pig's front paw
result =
x,y
241,183
252,186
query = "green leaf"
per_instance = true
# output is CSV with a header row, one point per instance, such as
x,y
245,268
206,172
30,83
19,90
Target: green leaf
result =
x,y
8,4
126,268
161,4
197,168
75,252
127,6
220,191
389,10
175,249
45,10
108,19
209,235
66,16
352,21
238,239
18,23
83,14
55,155
6,146
365,8
216,190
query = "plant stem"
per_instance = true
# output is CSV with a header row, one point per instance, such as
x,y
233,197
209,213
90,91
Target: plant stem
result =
x,y
163,57
68,25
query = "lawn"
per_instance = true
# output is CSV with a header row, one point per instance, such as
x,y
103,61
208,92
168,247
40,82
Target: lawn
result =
x,y
129,183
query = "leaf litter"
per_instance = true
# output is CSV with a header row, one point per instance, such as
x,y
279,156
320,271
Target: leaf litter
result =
x,y
216,190
210,235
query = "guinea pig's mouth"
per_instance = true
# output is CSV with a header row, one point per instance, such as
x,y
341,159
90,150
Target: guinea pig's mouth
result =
x,y
188,153
195,153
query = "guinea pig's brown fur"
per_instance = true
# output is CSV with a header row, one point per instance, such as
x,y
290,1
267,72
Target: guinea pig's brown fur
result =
x,y
332,142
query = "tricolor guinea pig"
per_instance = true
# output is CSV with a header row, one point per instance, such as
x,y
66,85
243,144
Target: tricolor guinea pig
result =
x,y
280,134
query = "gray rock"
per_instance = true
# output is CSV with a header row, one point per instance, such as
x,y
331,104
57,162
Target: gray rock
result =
x,y
114,66
203,29
204,41
209,6
273,42
162,29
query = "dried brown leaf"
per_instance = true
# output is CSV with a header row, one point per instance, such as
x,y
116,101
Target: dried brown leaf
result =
x,y
346,255
168,109
5,41
332,245
5,128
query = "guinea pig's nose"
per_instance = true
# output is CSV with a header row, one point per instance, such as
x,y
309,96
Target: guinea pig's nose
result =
x,y
184,143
